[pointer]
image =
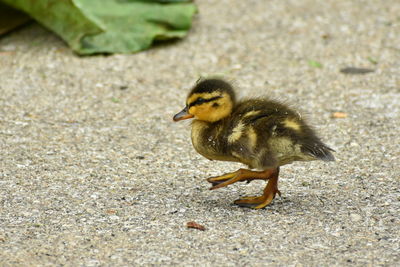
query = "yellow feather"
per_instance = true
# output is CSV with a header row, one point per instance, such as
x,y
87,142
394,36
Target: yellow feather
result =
x,y
290,123
236,133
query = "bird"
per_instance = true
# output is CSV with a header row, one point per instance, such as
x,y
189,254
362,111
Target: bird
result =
x,y
261,133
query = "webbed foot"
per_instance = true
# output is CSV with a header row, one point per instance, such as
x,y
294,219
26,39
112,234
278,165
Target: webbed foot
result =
x,y
259,202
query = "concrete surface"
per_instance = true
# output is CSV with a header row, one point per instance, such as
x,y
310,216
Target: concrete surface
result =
x,y
95,173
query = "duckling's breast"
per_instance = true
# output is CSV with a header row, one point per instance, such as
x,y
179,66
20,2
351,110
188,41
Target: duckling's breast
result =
x,y
207,139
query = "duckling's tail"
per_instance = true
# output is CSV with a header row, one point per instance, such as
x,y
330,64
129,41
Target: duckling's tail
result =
x,y
319,151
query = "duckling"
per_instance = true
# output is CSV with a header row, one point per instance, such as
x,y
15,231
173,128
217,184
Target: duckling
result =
x,y
260,133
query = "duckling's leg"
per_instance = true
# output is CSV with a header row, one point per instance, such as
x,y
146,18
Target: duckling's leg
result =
x,y
269,194
239,175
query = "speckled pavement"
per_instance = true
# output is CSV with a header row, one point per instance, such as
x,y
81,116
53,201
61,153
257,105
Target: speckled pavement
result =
x,y
93,172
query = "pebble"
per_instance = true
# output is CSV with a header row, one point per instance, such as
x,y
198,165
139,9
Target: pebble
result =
x,y
354,217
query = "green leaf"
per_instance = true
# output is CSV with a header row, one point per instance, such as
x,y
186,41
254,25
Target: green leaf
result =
x,y
111,26
115,100
372,60
314,64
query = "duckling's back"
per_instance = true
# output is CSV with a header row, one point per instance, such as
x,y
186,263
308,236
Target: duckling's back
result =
x,y
265,134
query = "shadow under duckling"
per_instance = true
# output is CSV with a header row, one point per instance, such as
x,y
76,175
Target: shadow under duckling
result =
x,y
260,133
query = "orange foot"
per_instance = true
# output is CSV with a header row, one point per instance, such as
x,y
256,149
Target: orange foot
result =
x,y
239,175
269,194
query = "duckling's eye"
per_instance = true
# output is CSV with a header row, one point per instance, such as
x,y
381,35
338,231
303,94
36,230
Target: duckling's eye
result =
x,y
200,100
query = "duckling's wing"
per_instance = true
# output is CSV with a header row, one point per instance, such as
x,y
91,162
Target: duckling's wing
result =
x,y
291,137
282,134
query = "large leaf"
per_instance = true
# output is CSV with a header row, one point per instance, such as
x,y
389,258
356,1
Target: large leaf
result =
x,y
109,26
10,19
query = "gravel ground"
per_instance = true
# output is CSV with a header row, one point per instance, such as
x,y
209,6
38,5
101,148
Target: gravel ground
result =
x,y
95,173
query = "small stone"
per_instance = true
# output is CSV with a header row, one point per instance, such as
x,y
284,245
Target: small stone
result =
x,y
354,70
354,144
114,217
355,217
339,115
111,211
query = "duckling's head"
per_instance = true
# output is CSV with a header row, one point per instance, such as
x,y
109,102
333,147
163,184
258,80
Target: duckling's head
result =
x,y
210,100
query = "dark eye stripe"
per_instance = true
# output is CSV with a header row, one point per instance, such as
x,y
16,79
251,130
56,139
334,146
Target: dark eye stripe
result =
x,y
200,101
